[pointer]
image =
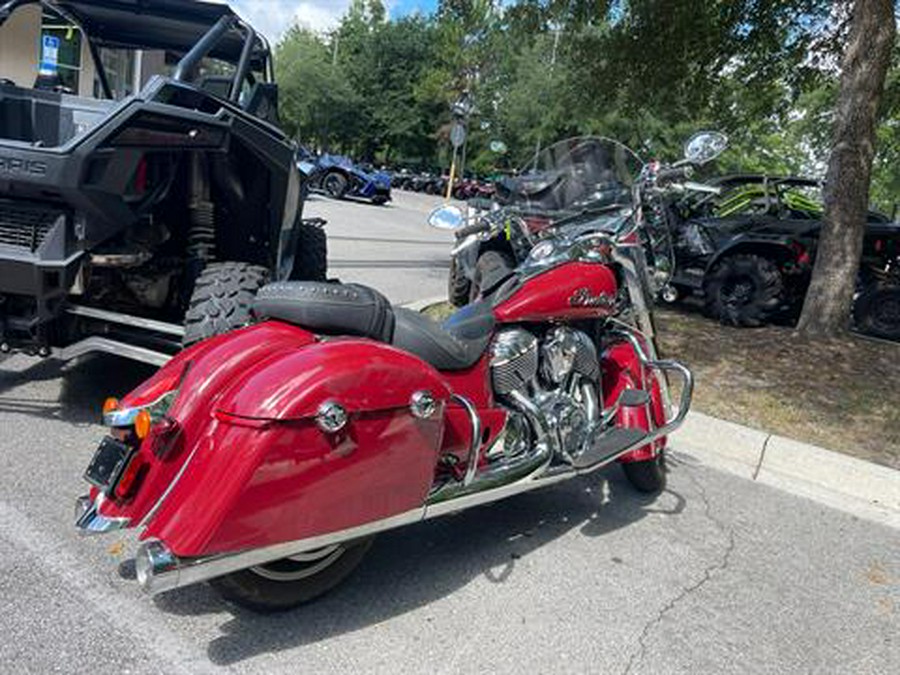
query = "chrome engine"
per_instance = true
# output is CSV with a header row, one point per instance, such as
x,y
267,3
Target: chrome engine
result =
x,y
552,383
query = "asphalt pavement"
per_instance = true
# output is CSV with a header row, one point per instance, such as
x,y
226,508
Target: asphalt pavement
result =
x,y
717,575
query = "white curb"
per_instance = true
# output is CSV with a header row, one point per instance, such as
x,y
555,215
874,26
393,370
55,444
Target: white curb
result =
x,y
862,488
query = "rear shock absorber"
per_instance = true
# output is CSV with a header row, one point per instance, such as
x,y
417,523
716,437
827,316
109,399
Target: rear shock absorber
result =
x,y
201,236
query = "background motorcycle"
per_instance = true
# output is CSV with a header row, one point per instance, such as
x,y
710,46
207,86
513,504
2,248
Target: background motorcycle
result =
x,y
266,459
533,206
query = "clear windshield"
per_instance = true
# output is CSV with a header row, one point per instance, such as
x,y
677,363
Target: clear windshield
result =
x,y
577,174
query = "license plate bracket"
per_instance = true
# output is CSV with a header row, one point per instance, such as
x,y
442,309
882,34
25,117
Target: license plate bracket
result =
x,y
108,463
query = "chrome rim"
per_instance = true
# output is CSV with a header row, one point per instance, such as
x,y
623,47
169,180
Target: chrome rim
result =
x,y
301,565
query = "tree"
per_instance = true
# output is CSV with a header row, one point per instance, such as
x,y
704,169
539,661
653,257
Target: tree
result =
x,y
866,60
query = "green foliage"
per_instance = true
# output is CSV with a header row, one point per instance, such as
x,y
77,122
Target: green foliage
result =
x,y
647,72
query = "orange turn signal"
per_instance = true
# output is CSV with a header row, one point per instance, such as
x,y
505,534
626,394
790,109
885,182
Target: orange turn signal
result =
x,y
110,405
142,424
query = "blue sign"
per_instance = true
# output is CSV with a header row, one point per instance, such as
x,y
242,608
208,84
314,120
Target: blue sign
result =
x,y
49,54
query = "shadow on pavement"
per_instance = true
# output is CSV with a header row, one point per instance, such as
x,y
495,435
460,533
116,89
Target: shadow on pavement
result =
x,y
84,384
414,566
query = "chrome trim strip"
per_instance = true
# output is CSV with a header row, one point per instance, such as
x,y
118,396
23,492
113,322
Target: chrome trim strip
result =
x,y
100,344
89,520
125,417
152,512
126,319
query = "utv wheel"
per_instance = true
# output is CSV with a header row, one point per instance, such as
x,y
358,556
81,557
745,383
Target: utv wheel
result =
x,y
648,476
877,313
311,257
335,184
287,583
744,290
491,265
379,201
221,301
458,284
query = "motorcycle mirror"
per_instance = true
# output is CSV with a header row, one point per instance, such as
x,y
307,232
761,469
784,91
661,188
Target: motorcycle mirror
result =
x,y
446,217
705,146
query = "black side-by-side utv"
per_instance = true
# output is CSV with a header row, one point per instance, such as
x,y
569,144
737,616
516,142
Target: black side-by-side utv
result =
x,y
139,225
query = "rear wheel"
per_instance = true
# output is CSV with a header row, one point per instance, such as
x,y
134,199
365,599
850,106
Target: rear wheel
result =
x,y
335,184
222,298
647,476
284,584
744,290
877,313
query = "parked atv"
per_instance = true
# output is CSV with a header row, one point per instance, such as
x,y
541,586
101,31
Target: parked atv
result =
x,y
136,226
339,177
748,250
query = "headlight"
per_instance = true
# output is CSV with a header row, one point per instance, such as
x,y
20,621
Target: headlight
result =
x,y
542,250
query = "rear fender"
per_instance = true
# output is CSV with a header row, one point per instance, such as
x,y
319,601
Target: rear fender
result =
x,y
199,374
264,472
623,369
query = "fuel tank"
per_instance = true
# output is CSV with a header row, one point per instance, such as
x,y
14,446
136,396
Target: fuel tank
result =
x,y
576,290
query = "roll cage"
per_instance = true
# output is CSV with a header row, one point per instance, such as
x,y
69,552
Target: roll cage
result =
x,y
193,29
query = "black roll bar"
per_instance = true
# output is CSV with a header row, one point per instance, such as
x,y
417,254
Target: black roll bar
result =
x,y
190,60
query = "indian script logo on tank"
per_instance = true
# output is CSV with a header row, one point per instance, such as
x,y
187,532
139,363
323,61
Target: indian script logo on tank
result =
x,y
584,298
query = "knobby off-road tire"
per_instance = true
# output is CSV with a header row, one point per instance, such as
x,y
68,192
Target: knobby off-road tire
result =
x,y
744,290
648,476
311,256
289,582
490,265
335,184
221,301
458,284
877,313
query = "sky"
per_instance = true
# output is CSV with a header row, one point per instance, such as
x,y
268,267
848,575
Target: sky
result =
x,y
273,17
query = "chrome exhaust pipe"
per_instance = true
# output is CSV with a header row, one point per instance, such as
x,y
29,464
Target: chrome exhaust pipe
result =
x,y
160,570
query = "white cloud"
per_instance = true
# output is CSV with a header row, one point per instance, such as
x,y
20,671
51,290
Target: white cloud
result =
x,y
274,17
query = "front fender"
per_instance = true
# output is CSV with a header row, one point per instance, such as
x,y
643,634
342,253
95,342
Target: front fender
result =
x,y
623,369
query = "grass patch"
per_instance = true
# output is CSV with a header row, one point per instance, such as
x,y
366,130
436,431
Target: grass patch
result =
x,y
842,394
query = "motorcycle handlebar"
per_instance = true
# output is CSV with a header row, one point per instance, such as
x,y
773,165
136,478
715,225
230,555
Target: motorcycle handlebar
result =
x,y
674,174
474,228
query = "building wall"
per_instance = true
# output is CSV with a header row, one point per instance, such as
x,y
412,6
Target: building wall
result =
x,y
19,42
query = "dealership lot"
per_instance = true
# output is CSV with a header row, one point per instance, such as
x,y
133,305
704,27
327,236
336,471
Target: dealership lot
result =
x,y
718,575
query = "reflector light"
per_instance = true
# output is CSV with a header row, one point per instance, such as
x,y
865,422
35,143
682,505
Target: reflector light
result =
x,y
110,404
127,481
142,424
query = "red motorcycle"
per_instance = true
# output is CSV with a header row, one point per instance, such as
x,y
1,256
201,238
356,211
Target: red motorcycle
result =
x,y
264,460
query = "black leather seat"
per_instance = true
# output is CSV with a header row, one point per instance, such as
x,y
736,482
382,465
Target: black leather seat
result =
x,y
328,309
353,309
454,345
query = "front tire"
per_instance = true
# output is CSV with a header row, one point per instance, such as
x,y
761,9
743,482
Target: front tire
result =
x,y
458,284
287,583
877,313
335,184
222,298
744,290
647,476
